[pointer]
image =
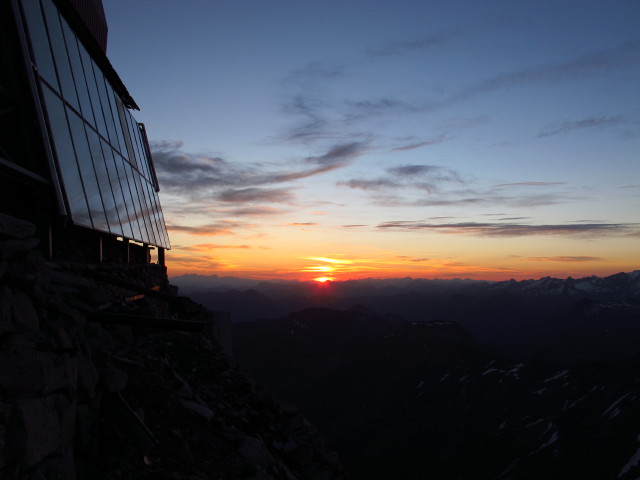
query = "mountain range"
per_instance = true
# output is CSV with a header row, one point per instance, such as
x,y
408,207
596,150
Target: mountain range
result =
x,y
592,318
450,379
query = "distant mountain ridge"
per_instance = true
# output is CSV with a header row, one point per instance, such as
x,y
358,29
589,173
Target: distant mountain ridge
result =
x,y
619,285
523,319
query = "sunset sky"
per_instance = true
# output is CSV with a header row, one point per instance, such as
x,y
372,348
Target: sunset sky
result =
x,y
346,139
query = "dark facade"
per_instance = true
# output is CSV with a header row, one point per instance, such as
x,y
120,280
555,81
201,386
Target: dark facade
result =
x,y
73,159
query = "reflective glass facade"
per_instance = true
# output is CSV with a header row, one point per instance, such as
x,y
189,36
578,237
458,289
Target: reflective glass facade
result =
x,y
101,151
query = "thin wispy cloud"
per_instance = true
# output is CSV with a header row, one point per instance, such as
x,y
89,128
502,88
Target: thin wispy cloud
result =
x,y
309,75
529,184
255,195
425,143
203,247
437,186
402,47
589,122
569,259
601,62
588,65
513,229
196,177
420,177
209,229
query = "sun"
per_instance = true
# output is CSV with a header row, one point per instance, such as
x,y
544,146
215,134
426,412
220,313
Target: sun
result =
x,y
323,279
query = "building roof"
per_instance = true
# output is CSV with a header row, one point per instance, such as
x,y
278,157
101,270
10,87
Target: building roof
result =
x,y
87,19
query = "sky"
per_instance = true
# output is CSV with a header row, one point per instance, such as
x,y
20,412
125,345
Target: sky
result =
x,y
371,139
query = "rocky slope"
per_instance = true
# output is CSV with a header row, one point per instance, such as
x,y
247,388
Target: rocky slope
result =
x,y
417,400
105,373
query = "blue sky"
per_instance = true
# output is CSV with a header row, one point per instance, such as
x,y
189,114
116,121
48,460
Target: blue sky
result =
x,y
434,138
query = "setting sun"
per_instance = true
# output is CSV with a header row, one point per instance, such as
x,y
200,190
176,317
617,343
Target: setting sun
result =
x,y
323,279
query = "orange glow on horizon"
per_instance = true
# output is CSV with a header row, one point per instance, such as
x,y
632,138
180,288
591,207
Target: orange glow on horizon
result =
x,y
283,259
323,279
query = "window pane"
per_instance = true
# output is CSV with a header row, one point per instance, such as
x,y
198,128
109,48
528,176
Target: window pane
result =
x,y
93,92
123,173
142,164
59,49
143,209
124,130
104,99
39,41
104,183
114,181
137,204
87,172
152,211
167,243
78,73
134,143
116,139
66,159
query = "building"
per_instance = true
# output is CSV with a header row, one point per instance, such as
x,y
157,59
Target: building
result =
x,y
73,159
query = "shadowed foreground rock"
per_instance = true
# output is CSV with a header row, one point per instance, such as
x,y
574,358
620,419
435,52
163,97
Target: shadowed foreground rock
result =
x,y
83,399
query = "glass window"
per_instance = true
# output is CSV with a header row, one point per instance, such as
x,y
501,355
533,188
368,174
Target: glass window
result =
x,y
87,171
59,48
137,203
39,42
134,142
93,92
78,73
123,173
124,129
104,183
142,158
114,181
152,210
143,208
167,243
116,139
104,100
65,154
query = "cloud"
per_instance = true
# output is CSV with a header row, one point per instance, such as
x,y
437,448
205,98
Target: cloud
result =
x,y
433,172
590,122
340,155
413,260
255,195
588,65
564,259
383,106
514,230
301,224
372,185
335,261
308,75
195,177
210,229
529,184
421,177
425,143
255,211
203,247
407,46
594,63
354,225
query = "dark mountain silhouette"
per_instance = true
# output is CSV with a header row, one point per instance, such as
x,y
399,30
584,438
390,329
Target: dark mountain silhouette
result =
x,y
415,400
520,318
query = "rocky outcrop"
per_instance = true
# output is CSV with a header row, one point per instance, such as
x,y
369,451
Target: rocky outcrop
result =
x,y
81,398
